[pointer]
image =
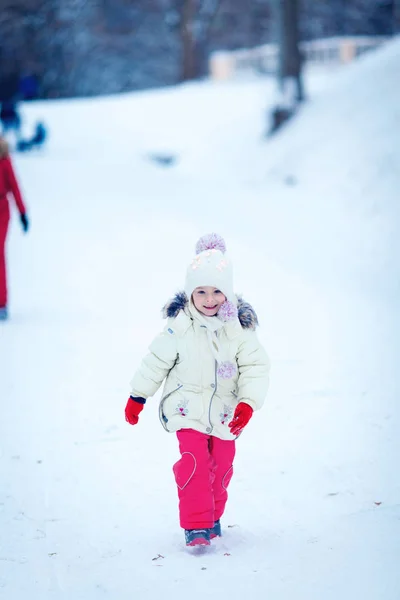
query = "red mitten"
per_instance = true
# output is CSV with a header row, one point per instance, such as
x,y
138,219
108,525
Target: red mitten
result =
x,y
242,416
133,409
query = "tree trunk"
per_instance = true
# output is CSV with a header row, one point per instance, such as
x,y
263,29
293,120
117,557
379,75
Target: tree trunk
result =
x,y
196,25
189,66
290,58
290,82
396,17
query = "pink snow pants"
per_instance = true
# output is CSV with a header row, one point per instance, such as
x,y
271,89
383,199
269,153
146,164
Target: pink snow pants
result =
x,y
202,475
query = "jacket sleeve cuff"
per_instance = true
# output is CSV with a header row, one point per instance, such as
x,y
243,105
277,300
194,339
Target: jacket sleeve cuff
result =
x,y
251,403
138,399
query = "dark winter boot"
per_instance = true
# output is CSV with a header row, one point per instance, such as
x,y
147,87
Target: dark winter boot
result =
x,y
216,530
197,537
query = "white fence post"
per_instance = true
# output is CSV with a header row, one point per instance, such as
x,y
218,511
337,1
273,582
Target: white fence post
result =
x,y
347,50
222,65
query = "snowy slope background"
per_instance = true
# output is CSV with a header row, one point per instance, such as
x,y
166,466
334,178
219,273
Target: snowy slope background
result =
x,y
88,506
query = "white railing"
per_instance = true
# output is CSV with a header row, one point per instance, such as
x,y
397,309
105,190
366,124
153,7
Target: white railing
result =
x,y
264,59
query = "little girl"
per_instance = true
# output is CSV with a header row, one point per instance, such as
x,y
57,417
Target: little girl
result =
x,y
216,374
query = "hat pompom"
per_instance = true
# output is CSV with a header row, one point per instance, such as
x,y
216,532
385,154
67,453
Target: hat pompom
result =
x,y
209,242
226,370
227,312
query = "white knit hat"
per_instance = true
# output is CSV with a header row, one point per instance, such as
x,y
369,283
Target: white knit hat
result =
x,y
210,267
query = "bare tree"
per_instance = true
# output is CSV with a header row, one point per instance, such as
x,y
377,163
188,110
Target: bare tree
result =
x,y
290,62
396,16
188,13
290,83
196,18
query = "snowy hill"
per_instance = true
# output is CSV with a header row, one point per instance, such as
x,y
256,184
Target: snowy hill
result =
x,y
88,505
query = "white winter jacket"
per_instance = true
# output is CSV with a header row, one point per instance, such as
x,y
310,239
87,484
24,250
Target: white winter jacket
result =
x,y
194,396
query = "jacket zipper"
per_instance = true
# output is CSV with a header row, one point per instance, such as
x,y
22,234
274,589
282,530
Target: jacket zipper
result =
x,y
160,411
211,399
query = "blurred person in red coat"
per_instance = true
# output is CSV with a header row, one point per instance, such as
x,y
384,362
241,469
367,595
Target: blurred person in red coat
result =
x,y
8,186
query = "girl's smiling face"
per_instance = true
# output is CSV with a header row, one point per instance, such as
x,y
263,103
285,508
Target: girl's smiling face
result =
x,y
208,300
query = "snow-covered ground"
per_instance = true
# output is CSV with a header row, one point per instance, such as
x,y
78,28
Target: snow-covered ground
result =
x,y
88,506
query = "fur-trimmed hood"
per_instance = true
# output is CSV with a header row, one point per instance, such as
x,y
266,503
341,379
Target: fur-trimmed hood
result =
x,y
246,313
3,148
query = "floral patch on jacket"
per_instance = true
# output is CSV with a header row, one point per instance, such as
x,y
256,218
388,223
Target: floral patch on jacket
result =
x,y
226,416
182,408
